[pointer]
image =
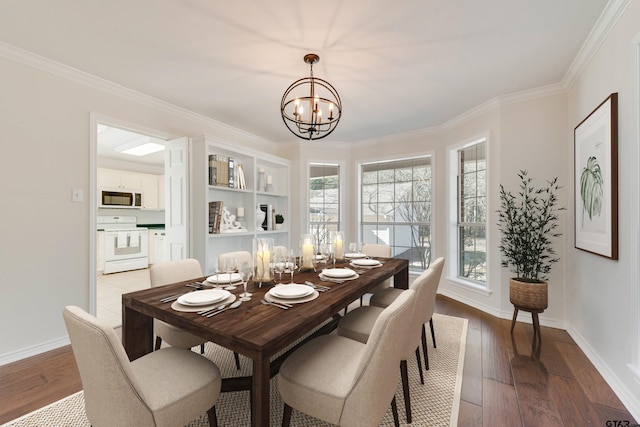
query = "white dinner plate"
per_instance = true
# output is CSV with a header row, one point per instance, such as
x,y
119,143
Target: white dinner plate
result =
x,y
354,255
338,273
206,297
223,278
291,291
365,262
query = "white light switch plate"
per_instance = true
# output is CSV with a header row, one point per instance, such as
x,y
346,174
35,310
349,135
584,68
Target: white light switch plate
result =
x,y
76,195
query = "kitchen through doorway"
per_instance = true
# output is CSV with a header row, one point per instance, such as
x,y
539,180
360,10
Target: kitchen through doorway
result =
x,y
129,213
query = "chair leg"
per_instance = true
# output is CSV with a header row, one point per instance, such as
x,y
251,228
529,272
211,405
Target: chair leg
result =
x,y
213,418
202,348
237,358
419,365
394,410
286,415
424,348
433,334
405,389
158,343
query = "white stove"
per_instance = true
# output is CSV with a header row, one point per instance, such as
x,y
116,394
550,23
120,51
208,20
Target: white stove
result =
x,y
126,246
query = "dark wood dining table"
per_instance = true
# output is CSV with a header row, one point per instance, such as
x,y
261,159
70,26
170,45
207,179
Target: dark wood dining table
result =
x,y
254,330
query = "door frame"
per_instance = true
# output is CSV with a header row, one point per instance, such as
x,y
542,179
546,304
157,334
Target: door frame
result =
x,y
94,120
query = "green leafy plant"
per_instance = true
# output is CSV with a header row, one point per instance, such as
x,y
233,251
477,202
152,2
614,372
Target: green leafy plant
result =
x,y
279,219
528,222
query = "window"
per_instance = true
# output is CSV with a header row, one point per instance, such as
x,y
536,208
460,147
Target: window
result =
x,y
324,200
472,212
395,208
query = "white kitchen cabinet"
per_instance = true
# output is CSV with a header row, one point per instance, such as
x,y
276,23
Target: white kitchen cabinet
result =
x,y
207,246
112,178
149,191
156,245
161,192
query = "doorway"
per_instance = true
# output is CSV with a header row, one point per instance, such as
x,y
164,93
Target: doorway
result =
x,y
113,165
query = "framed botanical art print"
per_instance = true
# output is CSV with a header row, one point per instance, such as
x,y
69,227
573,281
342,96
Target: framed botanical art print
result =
x,y
596,180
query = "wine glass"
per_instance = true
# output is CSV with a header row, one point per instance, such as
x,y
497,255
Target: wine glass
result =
x,y
353,247
291,264
246,272
281,264
229,266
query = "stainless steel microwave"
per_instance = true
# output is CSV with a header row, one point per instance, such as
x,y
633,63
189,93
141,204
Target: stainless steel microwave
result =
x,y
118,198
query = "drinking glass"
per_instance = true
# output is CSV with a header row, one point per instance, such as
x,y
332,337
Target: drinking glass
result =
x,y
229,266
246,272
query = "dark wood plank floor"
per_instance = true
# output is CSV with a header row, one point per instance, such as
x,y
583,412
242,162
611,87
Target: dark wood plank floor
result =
x,y
503,385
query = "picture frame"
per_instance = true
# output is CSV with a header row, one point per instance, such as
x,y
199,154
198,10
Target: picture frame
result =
x,y
596,180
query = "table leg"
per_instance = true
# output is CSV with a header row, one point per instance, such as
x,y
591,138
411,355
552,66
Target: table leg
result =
x,y
401,279
137,333
261,398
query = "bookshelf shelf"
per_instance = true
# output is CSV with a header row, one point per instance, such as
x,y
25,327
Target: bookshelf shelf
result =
x,y
206,151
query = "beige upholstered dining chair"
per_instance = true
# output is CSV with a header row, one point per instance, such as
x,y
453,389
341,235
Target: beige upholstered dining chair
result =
x,y
384,297
163,273
358,324
169,387
377,250
240,257
346,382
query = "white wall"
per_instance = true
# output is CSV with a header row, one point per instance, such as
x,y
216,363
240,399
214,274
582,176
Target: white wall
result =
x,y
601,294
45,250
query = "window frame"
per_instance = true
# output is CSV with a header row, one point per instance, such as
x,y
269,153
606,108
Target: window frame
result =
x,y
453,205
341,206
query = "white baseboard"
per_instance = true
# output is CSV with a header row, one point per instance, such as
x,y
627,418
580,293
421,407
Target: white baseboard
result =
x,y
628,399
14,356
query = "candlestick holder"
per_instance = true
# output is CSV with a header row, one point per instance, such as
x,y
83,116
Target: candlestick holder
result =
x,y
263,255
308,251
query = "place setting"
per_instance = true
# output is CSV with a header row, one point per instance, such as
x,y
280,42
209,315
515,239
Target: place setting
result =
x,y
365,263
289,294
338,275
203,300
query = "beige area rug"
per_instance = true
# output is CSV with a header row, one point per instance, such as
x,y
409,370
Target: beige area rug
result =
x,y
435,403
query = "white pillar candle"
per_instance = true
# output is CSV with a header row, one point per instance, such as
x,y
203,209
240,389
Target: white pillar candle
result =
x,y
339,248
269,179
263,267
307,254
240,212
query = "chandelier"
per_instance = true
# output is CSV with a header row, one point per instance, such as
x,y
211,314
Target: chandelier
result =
x,y
311,107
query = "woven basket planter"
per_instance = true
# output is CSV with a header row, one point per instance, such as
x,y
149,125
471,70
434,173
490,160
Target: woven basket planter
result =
x,y
525,295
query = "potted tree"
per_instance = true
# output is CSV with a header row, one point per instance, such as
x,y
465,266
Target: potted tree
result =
x,y
528,222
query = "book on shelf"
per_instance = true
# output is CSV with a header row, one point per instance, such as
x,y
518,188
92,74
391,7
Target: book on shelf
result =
x,y
215,216
213,170
240,182
230,177
223,171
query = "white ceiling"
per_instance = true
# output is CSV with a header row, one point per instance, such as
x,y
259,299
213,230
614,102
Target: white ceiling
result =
x,y
399,66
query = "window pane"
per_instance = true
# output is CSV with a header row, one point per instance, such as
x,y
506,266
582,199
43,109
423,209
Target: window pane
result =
x,y
472,212
403,210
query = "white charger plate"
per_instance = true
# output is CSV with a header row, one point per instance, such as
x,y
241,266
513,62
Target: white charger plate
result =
x,y
291,291
223,278
206,297
354,255
365,262
338,273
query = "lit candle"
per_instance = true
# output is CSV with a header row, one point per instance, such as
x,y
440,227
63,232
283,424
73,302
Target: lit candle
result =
x,y
307,253
240,212
263,267
330,110
338,247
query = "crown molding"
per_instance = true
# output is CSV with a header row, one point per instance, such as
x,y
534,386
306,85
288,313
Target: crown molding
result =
x,y
607,20
44,64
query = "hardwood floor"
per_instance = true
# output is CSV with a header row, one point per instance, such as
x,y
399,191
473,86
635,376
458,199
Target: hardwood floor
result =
x,y
502,384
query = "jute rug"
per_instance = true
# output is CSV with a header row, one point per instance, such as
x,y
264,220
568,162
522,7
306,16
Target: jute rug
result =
x,y
435,403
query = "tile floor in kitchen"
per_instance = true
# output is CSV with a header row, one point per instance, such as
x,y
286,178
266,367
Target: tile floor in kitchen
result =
x,y
110,288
